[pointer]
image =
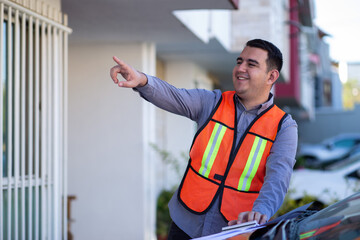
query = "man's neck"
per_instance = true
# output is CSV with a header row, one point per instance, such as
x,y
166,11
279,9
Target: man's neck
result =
x,y
251,104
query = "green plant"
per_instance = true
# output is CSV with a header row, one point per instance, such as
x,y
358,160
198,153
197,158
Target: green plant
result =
x,y
163,219
290,203
169,159
300,162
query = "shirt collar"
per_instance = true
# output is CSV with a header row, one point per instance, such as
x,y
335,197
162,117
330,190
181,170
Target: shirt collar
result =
x,y
259,108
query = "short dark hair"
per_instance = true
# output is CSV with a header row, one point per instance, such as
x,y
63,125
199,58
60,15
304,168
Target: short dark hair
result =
x,y
275,58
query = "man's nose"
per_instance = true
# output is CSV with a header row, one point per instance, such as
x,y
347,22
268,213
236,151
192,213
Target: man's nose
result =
x,y
241,67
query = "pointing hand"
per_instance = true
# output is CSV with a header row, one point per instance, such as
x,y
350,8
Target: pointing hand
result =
x,y
132,77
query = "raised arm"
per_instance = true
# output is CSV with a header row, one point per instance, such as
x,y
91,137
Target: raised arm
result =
x,y
132,77
195,104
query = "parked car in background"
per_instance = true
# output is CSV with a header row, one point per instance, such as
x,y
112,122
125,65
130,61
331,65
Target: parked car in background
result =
x,y
328,151
337,181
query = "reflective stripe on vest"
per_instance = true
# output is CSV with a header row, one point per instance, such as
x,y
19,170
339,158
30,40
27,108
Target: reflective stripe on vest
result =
x,y
212,149
252,164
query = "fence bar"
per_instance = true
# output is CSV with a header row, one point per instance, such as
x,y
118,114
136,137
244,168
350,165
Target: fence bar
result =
x,y
61,125
1,118
23,122
16,121
56,152
30,129
64,63
9,96
63,197
49,133
36,128
44,130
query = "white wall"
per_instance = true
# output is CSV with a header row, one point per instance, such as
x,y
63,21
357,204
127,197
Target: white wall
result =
x,y
110,169
207,24
179,131
106,145
328,123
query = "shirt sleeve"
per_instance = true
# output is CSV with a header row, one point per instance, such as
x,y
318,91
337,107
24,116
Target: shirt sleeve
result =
x,y
279,167
195,104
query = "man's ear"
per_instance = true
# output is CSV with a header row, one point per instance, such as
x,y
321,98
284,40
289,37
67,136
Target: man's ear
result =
x,y
273,76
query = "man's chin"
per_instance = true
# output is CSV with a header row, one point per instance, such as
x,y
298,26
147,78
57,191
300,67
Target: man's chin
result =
x,y
239,88
241,94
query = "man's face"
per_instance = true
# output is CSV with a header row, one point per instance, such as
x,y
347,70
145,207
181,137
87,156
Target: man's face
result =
x,y
250,74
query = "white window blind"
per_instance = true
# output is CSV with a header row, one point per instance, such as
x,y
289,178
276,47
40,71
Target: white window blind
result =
x,y
33,121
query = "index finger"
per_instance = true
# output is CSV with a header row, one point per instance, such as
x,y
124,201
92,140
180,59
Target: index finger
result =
x,y
118,61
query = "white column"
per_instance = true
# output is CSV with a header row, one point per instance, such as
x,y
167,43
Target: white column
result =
x,y
149,67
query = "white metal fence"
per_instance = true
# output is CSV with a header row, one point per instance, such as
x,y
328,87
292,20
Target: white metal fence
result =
x,y
33,100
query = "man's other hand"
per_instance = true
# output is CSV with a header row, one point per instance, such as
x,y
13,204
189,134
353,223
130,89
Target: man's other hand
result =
x,y
249,216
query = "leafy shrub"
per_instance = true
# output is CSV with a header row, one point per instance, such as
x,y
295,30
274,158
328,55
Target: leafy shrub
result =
x,y
291,203
163,219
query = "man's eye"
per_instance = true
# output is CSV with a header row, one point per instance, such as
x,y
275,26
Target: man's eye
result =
x,y
251,65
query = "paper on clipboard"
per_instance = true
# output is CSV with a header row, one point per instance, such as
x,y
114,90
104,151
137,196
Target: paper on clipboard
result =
x,y
241,225
231,233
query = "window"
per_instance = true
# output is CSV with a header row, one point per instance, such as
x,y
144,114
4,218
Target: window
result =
x,y
33,101
346,143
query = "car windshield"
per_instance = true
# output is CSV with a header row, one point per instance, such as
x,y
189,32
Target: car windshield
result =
x,y
338,220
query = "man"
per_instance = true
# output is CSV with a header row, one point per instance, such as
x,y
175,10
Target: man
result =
x,y
243,153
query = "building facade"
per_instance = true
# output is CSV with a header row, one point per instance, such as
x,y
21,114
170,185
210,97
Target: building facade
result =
x,y
85,137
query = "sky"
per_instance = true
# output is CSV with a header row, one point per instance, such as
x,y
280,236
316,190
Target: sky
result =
x,y
340,19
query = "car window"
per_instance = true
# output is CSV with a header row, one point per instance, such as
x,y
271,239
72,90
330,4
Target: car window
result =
x,y
345,143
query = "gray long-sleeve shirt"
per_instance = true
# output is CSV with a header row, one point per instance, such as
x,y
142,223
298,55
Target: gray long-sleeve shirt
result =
x,y
197,104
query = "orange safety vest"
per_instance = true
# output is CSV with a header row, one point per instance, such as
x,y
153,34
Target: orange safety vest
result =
x,y
218,167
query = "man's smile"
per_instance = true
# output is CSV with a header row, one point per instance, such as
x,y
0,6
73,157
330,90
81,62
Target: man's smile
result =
x,y
241,77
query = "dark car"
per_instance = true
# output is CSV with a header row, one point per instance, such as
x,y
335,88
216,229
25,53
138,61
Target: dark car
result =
x,y
338,221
